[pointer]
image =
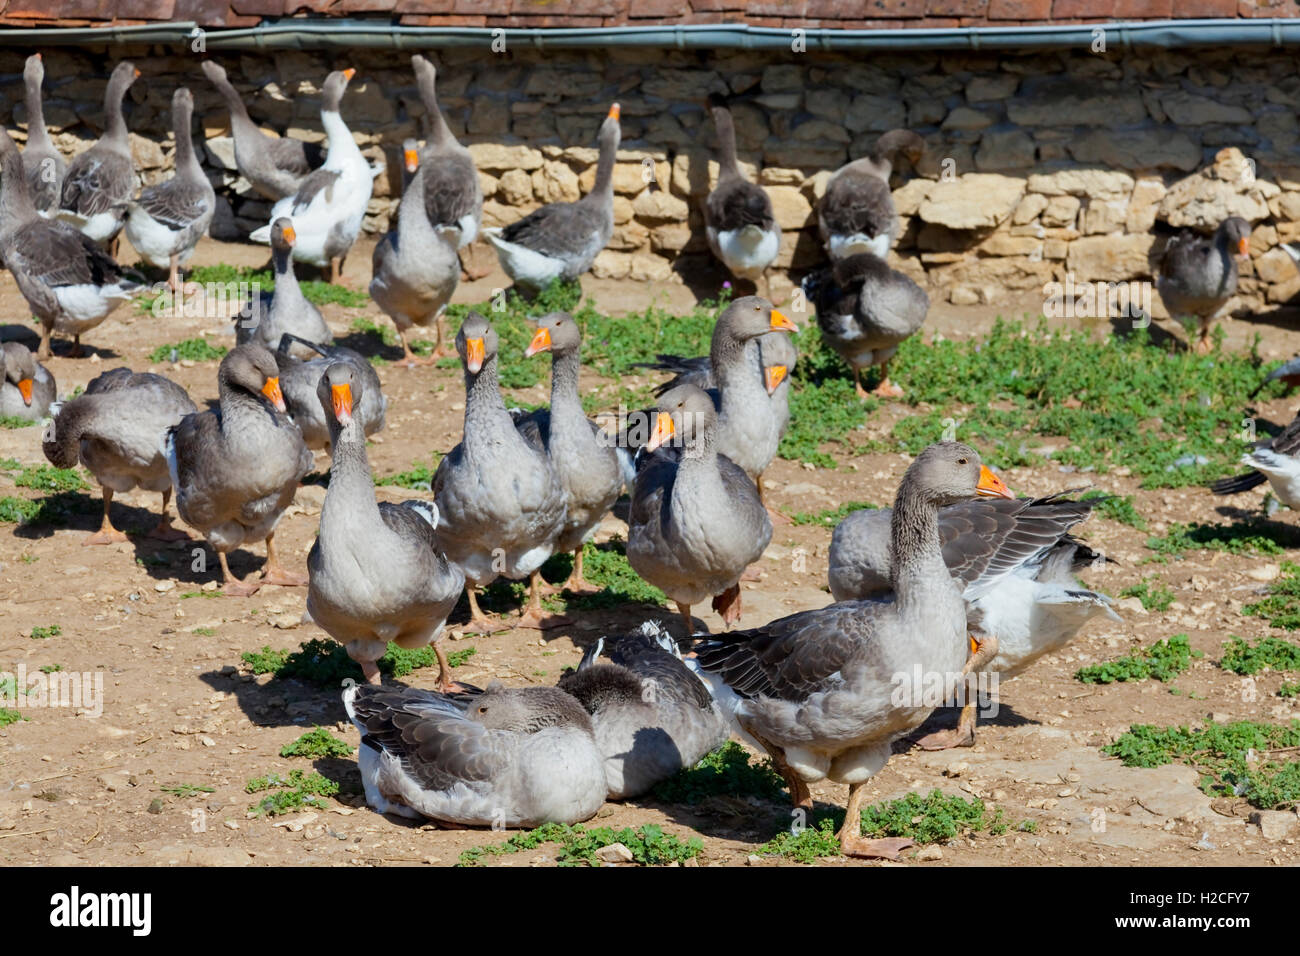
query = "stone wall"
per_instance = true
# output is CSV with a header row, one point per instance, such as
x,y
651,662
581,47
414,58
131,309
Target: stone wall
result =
x,y
1036,165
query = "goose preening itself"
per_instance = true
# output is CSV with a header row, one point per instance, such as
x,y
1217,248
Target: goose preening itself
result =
x,y
584,458
1198,275
696,521
1275,460
820,689
504,757
269,316
116,429
856,213
652,715
739,222
299,379
101,182
327,210
865,311
500,502
43,163
168,220
274,166
562,239
27,388
453,196
375,572
416,266
1014,560
70,283
235,468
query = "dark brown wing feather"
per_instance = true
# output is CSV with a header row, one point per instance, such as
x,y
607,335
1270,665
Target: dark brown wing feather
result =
x,y
56,255
97,181
559,229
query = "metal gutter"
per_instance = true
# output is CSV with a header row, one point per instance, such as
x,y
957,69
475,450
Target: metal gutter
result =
x,y
325,34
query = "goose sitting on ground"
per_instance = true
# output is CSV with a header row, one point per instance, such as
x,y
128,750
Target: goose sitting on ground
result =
x,y
274,166
70,284
235,468
652,715
327,210
696,521
856,213
27,388
584,458
504,757
101,182
865,311
299,379
1198,276
739,223
43,162
500,502
562,239
1275,460
415,266
1014,560
453,196
116,428
819,689
269,316
168,220
375,572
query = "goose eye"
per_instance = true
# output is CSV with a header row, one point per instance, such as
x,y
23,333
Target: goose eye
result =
x,y
961,461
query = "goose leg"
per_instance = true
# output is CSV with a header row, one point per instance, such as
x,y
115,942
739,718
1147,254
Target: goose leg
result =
x,y
685,611
163,530
857,384
76,347
43,350
445,684
773,515
174,274
336,270
114,246
576,582
852,843
440,349
409,358
728,604
964,734
370,671
480,623
231,586
800,795
273,573
106,534
886,388
1203,344
534,615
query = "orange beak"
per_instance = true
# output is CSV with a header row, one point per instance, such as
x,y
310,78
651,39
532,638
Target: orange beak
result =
x,y
137,74
272,391
341,396
974,644
991,486
290,236
780,322
474,354
1243,246
541,343
664,430
773,376
614,111
412,159
349,73
25,388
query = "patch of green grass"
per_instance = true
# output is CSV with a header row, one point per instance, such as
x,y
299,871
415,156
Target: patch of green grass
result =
x,y
203,631
824,407
384,332
831,516
1163,661
420,476
1289,690
725,772
1268,653
51,668
649,844
1244,759
1282,605
196,350
1254,536
18,510
9,716
186,789
296,791
13,421
924,819
200,594
605,566
1117,508
325,662
50,479
317,742
41,633
1153,595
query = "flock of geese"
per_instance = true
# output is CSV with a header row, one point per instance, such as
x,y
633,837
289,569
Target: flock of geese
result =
x,y
958,576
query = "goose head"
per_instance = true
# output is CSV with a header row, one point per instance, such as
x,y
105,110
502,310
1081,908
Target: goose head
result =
x,y
410,154
948,472
332,91
339,392
526,710
283,236
777,355
476,342
1234,233
34,71
19,368
124,74
252,368
556,333
682,415
751,316
610,132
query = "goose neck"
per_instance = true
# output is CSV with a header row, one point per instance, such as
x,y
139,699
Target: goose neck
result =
x,y
914,542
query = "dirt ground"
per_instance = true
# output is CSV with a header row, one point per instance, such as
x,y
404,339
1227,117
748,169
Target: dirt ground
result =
x,y
180,707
